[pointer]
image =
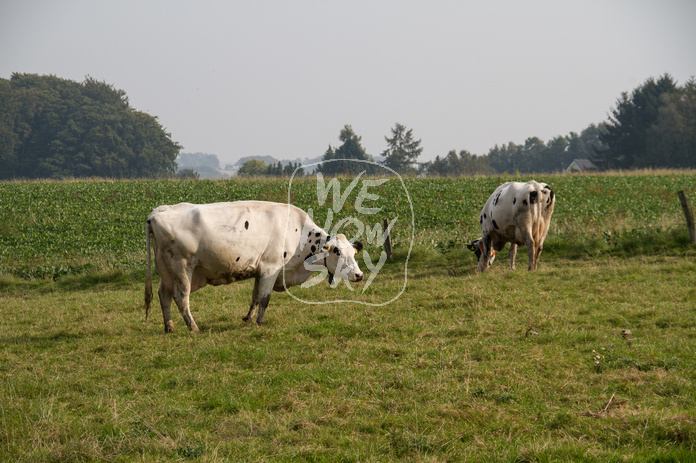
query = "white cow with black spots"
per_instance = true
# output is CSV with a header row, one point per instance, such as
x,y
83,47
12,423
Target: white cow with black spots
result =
x,y
516,213
212,244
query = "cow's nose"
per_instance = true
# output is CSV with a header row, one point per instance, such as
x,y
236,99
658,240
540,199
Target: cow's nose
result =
x,y
358,277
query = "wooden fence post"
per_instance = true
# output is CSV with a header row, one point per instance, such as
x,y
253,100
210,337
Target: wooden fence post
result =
x,y
387,239
689,216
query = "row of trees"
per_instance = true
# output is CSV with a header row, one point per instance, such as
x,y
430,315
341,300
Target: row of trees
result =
x,y
653,126
57,128
403,151
258,168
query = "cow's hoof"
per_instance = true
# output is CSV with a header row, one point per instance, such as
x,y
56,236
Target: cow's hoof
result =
x,y
260,322
169,327
245,319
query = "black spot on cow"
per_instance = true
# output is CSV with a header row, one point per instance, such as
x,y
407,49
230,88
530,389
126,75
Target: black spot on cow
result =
x,y
481,219
532,197
495,225
296,230
337,252
237,259
317,241
246,225
285,254
524,202
314,248
310,234
495,203
514,200
317,234
484,216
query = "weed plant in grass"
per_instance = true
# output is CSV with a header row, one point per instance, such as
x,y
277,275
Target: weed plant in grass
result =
x,y
504,366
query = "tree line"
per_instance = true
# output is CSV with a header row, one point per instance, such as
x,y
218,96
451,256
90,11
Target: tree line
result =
x,y
57,128
402,152
258,168
653,126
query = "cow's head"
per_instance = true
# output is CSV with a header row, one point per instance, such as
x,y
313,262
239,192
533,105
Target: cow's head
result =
x,y
340,258
477,247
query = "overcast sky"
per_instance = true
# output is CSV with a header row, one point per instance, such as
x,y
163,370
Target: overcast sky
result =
x,y
281,78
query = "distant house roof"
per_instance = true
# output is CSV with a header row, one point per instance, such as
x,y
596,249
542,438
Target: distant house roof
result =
x,y
580,165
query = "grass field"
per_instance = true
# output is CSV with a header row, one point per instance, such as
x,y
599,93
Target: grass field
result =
x,y
591,358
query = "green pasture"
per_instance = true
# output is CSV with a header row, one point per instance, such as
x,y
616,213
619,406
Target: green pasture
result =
x,y
591,358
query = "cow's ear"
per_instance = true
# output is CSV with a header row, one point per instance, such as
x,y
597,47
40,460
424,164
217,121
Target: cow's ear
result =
x,y
329,246
358,246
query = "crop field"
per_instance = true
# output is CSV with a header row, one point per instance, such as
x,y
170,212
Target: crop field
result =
x,y
590,358
58,228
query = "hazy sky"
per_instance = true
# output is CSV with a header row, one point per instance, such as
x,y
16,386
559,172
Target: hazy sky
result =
x,y
281,78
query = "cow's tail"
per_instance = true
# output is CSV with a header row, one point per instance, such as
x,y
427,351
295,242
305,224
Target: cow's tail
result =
x,y
148,280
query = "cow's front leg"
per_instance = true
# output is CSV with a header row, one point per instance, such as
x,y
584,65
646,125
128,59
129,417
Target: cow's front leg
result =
x,y
266,283
485,258
513,253
254,300
263,303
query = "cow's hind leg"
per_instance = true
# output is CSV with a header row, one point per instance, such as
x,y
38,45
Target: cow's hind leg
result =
x,y
181,296
540,246
513,253
165,297
531,252
182,290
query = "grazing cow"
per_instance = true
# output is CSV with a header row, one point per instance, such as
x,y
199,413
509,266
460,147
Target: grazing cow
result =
x,y
516,213
200,244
